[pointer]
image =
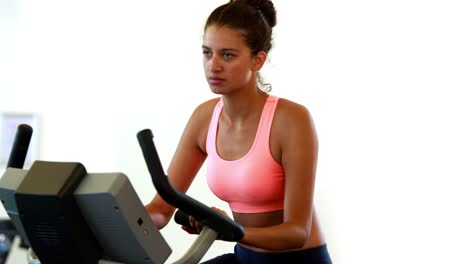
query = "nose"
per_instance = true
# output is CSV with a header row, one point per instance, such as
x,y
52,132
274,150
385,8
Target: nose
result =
x,y
215,64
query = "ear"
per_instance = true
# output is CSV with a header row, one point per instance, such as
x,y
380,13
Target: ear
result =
x,y
258,60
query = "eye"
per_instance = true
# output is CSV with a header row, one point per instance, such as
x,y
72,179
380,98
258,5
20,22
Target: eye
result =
x,y
207,53
228,55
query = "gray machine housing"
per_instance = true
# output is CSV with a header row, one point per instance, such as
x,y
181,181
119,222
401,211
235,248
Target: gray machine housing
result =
x,y
9,183
112,210
119,220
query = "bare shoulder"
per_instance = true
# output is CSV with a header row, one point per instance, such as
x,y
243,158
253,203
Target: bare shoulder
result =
x,y
197,127
206,108
202,113
291,113
292,130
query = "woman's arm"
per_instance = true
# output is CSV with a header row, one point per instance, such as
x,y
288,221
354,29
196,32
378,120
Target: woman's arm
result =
x,y
186,162
299,150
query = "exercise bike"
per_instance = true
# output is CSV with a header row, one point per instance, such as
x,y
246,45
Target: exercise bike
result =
x,y
66,215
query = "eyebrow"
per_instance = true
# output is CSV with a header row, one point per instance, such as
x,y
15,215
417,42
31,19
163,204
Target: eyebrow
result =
x,y
223,50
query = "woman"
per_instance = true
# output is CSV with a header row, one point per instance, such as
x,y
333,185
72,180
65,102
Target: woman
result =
x,y
261,151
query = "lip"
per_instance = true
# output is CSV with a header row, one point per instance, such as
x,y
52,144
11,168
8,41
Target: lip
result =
x,y
215,80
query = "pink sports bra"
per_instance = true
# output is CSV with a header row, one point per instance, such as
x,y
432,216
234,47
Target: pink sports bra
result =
x,y
253,183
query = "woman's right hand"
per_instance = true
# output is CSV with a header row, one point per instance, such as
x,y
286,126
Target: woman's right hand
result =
x,y
159,219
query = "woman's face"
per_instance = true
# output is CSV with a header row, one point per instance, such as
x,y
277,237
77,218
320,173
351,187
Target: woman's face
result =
x,y
227,60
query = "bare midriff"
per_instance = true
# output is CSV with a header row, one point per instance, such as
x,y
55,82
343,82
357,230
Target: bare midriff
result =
x,y
273,218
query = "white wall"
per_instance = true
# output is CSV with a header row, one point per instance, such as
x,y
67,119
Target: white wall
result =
x,y
384,81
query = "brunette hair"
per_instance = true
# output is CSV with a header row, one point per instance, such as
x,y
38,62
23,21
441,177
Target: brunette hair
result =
x,y
256,18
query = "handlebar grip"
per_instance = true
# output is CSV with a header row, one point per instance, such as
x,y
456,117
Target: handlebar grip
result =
x,y
182,218
19,150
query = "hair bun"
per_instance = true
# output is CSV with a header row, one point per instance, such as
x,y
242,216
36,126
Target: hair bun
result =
x,y
266,7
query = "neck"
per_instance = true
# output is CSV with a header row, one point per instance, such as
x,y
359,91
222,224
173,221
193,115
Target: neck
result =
x,y
239,107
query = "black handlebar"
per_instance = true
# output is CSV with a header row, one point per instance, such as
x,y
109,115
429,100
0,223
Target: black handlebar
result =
x,y
20,147
182,218
226,228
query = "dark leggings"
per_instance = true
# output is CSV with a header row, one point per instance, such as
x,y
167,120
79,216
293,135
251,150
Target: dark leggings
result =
x,y
242,255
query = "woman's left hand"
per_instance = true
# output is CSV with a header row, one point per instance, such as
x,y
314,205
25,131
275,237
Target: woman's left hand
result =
x,y
220,211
